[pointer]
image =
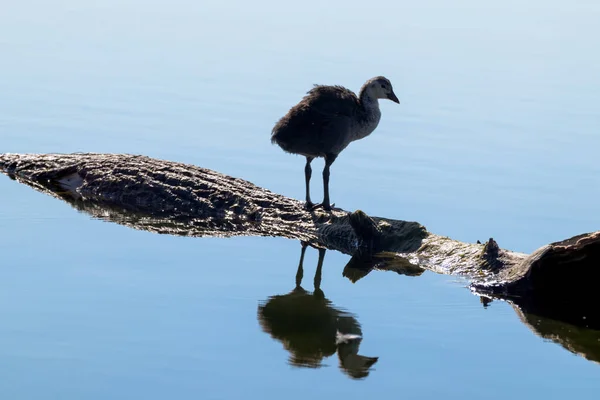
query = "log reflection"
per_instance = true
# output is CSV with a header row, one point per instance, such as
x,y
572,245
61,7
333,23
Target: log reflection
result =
x,y
573,324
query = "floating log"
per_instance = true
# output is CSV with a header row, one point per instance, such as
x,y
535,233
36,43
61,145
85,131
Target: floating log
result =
x,y
174,198
552,290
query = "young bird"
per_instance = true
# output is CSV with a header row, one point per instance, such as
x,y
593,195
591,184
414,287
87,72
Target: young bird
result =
x,y
326,120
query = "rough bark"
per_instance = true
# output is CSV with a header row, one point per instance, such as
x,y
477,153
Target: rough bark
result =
x,y
174,198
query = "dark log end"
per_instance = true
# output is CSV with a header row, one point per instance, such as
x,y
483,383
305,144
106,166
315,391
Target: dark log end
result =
x,y
364,227
560,273
570,268
381,234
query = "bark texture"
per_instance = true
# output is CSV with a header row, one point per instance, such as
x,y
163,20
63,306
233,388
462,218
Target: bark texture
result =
x,y
179,199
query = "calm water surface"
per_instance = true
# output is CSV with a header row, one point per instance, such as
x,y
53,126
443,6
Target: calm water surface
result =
x,y
496,135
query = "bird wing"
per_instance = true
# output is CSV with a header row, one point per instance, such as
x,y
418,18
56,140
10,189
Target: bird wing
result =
x,y
333,101
334,107
320,123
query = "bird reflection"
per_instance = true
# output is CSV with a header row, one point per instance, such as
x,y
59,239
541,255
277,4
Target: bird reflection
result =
x,y
311,328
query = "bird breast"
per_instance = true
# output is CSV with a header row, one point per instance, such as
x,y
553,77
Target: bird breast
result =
x,y
365,126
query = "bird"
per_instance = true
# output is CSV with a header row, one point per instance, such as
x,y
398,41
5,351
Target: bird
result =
x,y
326,121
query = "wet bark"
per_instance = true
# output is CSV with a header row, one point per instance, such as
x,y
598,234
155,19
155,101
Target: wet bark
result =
x,y
179,199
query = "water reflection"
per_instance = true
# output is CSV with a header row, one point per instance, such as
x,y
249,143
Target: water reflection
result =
x,y
311,328
576,339
307,323
574,324
361,264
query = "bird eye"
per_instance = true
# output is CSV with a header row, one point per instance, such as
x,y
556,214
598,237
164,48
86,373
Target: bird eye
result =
x,y
383,86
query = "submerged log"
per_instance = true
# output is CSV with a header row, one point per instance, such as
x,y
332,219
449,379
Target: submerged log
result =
x,y
174,198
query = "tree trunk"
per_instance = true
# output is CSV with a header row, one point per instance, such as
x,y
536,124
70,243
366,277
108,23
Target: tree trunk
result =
x,y
179,199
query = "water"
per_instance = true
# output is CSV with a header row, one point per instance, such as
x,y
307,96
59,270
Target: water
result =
x,y
495,136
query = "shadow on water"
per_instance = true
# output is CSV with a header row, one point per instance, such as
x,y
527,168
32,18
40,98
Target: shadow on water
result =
x,y
311,328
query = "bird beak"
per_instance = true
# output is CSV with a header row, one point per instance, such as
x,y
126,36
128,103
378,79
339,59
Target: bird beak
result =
x,y
392,97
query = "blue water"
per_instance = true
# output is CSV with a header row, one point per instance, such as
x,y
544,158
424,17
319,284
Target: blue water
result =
x,y
496,135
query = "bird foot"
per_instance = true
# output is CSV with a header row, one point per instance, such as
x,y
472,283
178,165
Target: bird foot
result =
x,y
324,206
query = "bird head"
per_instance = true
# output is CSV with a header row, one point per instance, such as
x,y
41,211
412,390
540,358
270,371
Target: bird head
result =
x,y
381,88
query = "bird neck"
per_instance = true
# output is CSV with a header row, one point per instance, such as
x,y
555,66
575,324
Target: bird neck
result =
x,y
368,101
371,116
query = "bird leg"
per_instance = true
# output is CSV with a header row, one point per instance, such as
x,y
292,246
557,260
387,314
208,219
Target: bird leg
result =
x,y
317,279
307,175
300,272
329,159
